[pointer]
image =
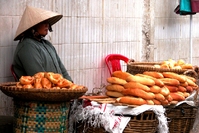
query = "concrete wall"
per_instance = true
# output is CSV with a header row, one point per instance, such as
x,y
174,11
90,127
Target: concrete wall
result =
x,y
145,30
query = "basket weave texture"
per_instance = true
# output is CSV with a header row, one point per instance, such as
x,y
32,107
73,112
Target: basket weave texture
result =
x,y
11,90
146,122
181,118
140,67
40,117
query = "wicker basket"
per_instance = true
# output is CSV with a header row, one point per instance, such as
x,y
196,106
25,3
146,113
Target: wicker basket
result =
x,y
140,67
11,90
40,117
146,122
181,118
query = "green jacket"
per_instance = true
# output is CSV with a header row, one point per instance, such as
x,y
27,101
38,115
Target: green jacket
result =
x,y
32,56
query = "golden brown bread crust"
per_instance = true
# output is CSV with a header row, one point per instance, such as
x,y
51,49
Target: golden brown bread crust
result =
x,y
172,88
120,74
182,89
174,76
131,100
177,96
156,102
169,81
134,85
164,91
155,89
159,97
115,87
25,80
157,75
64,83
46,83
142,80
37,83
53,77
139,93
115,80
114,94
157,81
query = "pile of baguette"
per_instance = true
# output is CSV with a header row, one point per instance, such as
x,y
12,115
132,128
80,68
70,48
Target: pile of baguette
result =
x,y
150,87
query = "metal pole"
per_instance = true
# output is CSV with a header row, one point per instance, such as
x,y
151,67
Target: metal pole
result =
x,y
190,40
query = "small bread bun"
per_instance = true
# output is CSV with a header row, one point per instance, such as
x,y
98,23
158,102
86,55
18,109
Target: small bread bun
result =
x,y
131,100
115,80
120,74
24,80
46,83
114,94
115,87
53,77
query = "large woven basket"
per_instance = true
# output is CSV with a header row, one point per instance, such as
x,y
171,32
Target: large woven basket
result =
x,y
140,67
40,117
146,122
11,90
181,118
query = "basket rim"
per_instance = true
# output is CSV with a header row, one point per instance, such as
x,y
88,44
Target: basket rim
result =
x,y
11,86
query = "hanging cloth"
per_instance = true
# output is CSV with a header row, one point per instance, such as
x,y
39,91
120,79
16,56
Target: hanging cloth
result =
x,y
195,6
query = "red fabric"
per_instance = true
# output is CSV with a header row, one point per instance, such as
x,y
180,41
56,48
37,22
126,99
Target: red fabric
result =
x,y
195,5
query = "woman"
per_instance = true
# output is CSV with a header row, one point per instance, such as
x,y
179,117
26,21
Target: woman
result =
x,y
33,53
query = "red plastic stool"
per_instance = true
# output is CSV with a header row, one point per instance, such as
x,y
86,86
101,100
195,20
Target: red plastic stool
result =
x,y
113,62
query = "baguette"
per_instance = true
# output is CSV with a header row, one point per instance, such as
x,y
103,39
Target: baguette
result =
x,y
176,96
114,94
115,80
174,76
169,98
156,102
120,74
159,97
139,93
170,81
155,89
182,89
189,89
157,75
150,102
164,91
115,87
185,84
172,88
134,85
191,82
157,81
131,100
142,80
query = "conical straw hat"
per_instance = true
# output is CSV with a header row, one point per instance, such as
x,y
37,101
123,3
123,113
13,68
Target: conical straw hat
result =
x,y
32,16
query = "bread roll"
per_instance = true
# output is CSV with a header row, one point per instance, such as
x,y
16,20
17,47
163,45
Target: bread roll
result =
x,y
37,83
185,84
187,66
115,80
170,81
165,102
154,74
46,83
139,93
186,94
157,81
155,89
142,80
131,100
133,85
164,91
182,89
169,98
174,76
156,102
114,94
115,87
176,96
191,82
172,88
189,89
159,97
150,102
120,74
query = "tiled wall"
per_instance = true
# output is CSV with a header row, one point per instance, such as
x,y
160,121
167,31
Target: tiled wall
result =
x,y
92,29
